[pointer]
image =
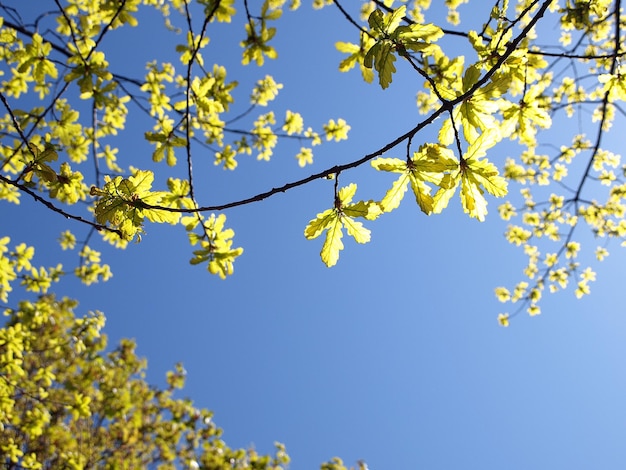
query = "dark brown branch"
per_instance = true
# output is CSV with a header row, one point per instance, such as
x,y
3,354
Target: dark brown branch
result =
x,y
605,101
350,19
194,54
566,55
56,209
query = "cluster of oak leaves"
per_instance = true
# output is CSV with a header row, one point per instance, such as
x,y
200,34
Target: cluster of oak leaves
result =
x,y
507,93
434,172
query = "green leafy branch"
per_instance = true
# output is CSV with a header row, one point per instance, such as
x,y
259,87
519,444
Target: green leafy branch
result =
x,y
215,243
125,203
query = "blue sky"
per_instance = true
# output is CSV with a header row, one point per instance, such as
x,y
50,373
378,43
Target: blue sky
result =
x,y
393,356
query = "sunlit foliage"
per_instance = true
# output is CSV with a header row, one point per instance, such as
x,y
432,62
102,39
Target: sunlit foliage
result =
x,y
526,112
67,403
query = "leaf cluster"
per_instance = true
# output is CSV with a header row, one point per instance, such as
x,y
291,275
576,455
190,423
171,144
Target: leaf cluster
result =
x,y
61,387
393,38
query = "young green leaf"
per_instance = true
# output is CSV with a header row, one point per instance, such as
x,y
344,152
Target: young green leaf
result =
x,y
475,175
392,38
428,164
334,220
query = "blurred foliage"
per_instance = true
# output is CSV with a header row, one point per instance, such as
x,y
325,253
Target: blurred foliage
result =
x,y
65,402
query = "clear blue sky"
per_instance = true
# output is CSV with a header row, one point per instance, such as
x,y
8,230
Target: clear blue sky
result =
x,y
393,356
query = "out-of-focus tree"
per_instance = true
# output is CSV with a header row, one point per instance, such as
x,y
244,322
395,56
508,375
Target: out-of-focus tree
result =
x,y
67,403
